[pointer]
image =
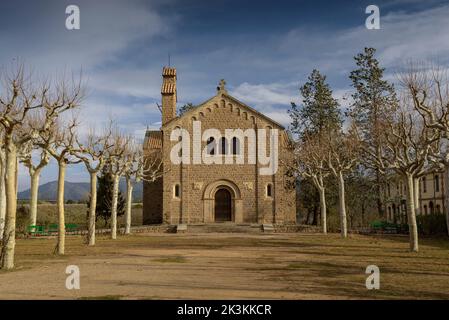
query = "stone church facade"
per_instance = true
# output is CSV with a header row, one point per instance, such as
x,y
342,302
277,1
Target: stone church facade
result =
x,y
195,193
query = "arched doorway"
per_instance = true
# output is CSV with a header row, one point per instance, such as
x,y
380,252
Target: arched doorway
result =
x,y
223,205
222,201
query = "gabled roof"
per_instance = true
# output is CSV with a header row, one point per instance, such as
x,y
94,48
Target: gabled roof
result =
x,y
153,139
235,100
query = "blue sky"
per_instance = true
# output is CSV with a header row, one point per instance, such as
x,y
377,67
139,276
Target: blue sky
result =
x,y
264,50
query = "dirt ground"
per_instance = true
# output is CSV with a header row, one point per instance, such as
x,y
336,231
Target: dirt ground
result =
x,y
230,266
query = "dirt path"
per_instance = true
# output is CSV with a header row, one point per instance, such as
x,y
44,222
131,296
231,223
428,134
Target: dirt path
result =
x,y
222,266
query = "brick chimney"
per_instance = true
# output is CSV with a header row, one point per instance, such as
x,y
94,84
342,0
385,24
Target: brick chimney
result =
x,y
168,91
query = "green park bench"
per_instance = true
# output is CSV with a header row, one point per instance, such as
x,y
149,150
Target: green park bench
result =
x,y
52,228
35,230
70,227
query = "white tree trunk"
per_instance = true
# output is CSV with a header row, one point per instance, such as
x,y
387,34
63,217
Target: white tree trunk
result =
x,y
93,207
129,202
9,237
446,196
2,192
342,205
412,227
416,195
116,180
34,196
322,192
60,205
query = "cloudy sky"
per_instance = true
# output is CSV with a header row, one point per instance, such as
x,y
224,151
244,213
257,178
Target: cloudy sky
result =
x,y
264,50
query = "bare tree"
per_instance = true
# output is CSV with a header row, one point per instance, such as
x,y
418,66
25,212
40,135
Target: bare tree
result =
x,y
140,167
409,144
60,144
93,153
428,87
118,163
343,155
34,171
16,102
2,189
310,156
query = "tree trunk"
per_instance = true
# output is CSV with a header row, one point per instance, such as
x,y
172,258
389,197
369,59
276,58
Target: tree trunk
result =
x,y
9,236
412,227
114,207
2,192
308,216
380,207
92,208
342,205
129,203
34,176
60,205
323,209
446,196
416,195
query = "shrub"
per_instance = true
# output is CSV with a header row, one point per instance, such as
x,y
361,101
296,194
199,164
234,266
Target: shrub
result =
x,y
22,219
432,224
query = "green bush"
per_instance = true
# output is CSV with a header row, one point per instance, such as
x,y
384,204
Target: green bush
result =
x,y
431,224
22,219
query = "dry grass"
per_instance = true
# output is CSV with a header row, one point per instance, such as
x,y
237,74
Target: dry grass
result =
x,y
75,213
226,266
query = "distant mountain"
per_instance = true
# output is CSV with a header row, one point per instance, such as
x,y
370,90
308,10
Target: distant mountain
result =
x,y
75,191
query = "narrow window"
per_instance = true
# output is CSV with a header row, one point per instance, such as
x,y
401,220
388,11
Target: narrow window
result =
x,y
437,208
424,184
177,191
235,146
211,146
180,150
425,209
269,190
389,190
437,183
224,146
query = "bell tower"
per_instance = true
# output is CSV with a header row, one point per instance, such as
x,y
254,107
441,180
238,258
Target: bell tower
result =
x,y
168,92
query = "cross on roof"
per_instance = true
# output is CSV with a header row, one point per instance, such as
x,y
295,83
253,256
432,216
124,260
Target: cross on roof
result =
x,y
221,85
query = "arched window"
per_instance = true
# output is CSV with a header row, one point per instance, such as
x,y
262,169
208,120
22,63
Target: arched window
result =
x,y
177,191
224,146
424,184
425,209
431,208
437,183
269,190
235,146
438,209
211,146
389,214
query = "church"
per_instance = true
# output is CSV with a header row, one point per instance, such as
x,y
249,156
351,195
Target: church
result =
x,y
233,170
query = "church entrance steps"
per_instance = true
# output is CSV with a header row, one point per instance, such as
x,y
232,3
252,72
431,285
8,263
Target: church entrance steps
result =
x,y
223,227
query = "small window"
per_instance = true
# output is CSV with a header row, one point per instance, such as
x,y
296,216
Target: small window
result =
x,y
177,191
438,209
437,183
224,146
269,190
424,184
211,146
425,209
235,146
